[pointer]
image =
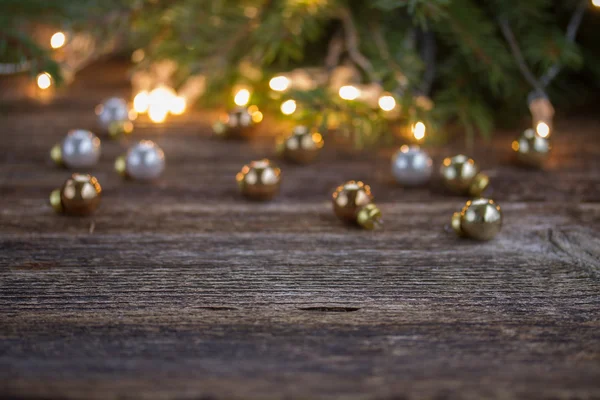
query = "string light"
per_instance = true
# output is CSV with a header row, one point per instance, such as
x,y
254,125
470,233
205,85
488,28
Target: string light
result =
x,y
596,3
44,80
138,56
242,97
387,103
58,40
349,92
542,128
160,101
279,83
257,117
178,105
288,107
418,130
158,112
141,102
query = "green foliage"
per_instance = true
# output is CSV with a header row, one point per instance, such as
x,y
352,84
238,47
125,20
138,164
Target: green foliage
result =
x,y
454,50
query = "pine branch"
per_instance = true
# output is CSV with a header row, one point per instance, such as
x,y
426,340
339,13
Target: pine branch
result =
x,y
518,55
352,44
572,29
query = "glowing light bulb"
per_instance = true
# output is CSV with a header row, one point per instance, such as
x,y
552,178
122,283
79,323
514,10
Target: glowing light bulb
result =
x,y
418,130
349,92
178,105
387,103
141,102
288,107
44,80
596,3
138,56
242,97
257,117
58,40
161,95
279,83
542,128
158,112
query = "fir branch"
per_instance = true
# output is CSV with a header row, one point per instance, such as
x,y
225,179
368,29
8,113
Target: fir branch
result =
x,y
518,56
334,51
352,44
429,53
572,29
384,51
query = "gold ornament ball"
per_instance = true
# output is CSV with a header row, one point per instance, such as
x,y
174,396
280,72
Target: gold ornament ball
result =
x,y
79,195
259,180
461,175
531,149
480,219
353,202
302,146
239,123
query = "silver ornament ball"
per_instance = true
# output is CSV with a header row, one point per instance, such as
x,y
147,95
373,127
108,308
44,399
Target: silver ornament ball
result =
x,y
412,166
145,161
112,110
80,149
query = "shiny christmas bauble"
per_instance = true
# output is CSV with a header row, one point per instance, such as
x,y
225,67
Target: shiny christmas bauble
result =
x,y
113,116
259,180
302,146
412,166
79,149
79,196
239,123
350,202
480,219
144,161
461,175
531,149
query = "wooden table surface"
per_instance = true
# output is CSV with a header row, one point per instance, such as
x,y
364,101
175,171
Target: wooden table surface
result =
x,y
181,289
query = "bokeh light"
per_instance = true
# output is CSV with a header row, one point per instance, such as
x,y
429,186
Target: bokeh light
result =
x,y
288,107
178,105
543,129
418,130
349,92
44,80
141,102
279,83
242,97
58,40
387,103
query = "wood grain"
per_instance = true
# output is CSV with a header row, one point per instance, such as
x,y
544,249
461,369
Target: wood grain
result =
x,y
181,289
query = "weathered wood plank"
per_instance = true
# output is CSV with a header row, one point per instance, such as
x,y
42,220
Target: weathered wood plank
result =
x,y
181,289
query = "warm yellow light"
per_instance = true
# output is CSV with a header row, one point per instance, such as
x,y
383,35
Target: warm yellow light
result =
x,y
161,95
543,129
178,105
515,145
132,114
58,40
159,103
418,130
242,97
288,107
257,117
158,112
44,80
279,83
138,56
387,103
349,92
596,3
141,102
